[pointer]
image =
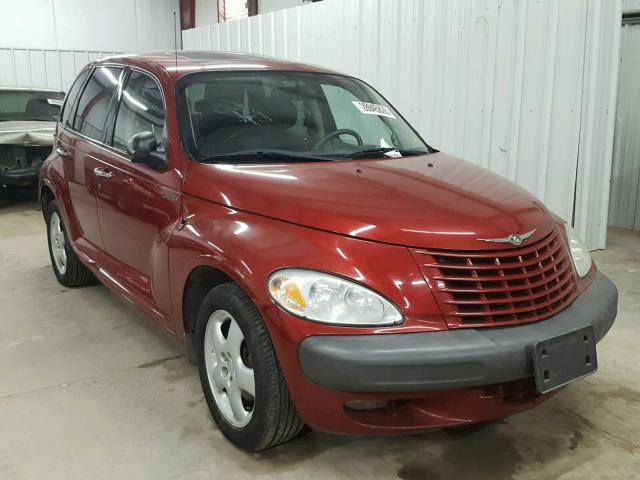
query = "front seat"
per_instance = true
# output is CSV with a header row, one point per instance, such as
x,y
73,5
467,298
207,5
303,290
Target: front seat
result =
x,y
268,125
37,108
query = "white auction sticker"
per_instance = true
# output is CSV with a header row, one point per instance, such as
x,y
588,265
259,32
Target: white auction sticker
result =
x,y
54,101
374,109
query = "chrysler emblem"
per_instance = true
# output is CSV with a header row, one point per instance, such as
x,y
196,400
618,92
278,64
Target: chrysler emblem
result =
x,y
515,239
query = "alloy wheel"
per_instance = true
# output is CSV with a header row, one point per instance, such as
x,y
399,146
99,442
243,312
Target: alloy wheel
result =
x,y
229,368
58,241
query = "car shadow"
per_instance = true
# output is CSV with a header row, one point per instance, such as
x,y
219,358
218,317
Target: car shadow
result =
x,y
554,439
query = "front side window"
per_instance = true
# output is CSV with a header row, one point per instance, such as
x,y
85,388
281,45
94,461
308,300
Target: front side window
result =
x,y
291,114
141,110
93,106
25,105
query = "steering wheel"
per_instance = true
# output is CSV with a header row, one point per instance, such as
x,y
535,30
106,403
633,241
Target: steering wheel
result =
x,y
337,133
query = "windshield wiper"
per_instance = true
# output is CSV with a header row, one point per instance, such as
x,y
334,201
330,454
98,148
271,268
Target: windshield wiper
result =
x,y
248,157
382,151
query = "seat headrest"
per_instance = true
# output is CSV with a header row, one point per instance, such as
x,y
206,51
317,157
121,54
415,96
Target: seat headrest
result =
x,y
280,109
37,107
203,106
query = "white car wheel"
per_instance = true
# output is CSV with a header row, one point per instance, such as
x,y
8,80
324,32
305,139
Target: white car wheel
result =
x,y
229,369
58,242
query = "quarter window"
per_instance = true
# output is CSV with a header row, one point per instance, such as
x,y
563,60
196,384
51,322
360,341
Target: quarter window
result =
x,y
141,110
93,107
71,98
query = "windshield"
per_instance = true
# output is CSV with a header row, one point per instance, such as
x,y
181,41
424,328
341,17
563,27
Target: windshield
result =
x,y
289,114
30,105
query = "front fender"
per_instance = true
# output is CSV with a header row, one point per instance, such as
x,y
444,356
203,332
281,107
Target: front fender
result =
x,y
248,247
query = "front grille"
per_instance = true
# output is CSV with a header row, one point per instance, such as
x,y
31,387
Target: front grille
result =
x,y
500,287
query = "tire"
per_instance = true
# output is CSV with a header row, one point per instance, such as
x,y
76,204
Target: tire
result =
x,y
69,270
270,417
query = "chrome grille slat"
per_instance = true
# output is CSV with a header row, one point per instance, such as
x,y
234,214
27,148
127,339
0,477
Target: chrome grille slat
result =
x,y
527,298
500,287
461,277
520,264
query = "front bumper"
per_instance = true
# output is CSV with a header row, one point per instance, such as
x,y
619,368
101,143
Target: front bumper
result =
x,y
20,178
452,359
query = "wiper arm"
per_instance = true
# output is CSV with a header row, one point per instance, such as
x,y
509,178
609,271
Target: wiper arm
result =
x,y
375,152
247,157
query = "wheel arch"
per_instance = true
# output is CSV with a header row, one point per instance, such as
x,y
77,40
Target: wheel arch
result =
x,y
45,197
198,283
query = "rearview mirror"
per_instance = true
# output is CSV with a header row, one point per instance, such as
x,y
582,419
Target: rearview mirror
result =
x,y
143,148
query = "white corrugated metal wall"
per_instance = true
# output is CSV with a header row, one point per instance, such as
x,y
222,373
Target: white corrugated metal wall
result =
x,y
45,43
597,120
624,206
43,68
121,25
523,88
630,5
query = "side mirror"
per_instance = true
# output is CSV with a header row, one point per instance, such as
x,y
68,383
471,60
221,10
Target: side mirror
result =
x,y
143,148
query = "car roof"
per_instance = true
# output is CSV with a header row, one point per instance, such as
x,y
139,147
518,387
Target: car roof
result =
x,y
30,89
183,62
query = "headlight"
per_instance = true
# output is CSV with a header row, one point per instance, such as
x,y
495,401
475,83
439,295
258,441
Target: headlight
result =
x,y
579,253
326,298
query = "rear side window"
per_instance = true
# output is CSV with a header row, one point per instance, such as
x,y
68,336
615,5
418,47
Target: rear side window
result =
x,y
141,110
93,106
71,98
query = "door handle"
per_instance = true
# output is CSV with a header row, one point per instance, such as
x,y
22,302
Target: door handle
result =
x,y
100,172
62,152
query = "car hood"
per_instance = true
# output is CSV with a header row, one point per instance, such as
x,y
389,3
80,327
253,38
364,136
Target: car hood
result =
x,y
430,201
31,132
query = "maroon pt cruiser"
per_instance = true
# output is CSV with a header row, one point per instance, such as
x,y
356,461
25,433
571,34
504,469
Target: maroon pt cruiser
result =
x,y
321,262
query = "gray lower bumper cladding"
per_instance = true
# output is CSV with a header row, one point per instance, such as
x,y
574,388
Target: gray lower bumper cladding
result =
x,y
450,359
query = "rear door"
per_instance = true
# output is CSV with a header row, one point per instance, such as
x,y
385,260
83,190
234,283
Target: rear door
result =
x,y
80,145
138,206
65,147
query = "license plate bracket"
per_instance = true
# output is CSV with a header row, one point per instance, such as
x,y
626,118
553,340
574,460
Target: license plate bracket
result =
x,y
560,360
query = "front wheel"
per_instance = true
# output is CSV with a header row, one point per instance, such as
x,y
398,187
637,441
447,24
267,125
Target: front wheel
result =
x,y
239,372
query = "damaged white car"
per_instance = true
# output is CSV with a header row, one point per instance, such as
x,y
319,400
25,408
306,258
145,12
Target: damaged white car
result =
x,y
28,119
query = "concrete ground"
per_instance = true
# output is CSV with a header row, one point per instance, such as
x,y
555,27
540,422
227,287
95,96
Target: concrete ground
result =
x,y
90,390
